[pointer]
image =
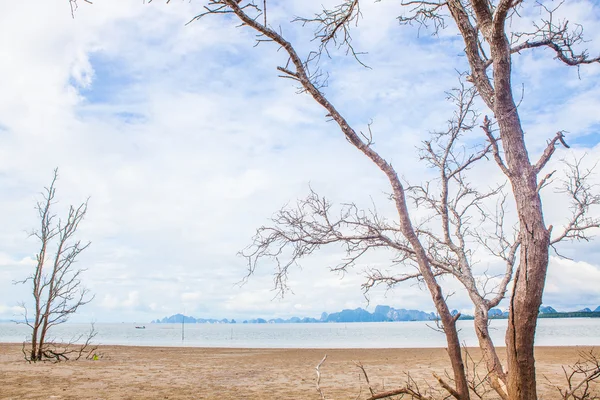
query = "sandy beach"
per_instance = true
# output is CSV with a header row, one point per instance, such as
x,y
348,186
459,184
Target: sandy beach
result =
x,y
210,373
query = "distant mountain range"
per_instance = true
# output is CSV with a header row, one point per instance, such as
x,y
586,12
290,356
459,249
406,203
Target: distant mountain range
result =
x,y
549,312
380,314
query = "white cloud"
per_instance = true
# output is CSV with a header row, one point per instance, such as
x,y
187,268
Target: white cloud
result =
x,y
110,302
15,312
7,261
583,276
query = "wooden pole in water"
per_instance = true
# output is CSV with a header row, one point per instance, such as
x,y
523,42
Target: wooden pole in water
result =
x,y
182,327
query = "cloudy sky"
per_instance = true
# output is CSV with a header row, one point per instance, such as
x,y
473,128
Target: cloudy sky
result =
x,y
186,141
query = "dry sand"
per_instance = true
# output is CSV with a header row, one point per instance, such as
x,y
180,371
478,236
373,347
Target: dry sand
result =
x,y
216,373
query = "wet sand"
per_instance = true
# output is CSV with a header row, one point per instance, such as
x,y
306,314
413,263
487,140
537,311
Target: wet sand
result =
x,y
125,372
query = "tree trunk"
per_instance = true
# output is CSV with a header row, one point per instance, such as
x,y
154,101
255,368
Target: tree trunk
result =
x,y
530,276
41,342
496,375
34,344
527,296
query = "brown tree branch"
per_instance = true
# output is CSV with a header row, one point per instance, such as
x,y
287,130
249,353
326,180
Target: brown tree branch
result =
x,y
556,35
362,368
487,129
470,36
447,387
580,377
549,151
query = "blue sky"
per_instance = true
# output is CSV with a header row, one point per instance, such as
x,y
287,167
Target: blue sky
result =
x,y
186,141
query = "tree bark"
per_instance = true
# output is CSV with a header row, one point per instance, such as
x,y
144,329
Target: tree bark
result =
x,y
497,376
530,276
528,288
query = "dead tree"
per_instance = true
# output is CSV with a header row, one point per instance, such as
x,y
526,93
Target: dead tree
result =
x,y
489,48
55,282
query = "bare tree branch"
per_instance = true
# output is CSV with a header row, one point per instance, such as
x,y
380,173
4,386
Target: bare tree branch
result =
x,y
333,27
583,195
424,13
549,151
362,368
556,35
580,377
411,388
447,387
494,143
311,224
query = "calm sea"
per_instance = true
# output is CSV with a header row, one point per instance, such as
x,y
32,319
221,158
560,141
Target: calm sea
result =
x,y
550,332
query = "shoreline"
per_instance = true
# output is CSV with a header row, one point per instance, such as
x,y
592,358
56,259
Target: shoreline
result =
x,y
138,372
469,348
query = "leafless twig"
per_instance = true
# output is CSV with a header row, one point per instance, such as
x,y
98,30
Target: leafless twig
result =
x,y
581,377
583,196
318,369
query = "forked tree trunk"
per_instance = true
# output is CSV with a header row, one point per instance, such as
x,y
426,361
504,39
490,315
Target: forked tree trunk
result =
x,y
530,276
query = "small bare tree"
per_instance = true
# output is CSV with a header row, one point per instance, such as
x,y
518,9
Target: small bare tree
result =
x,y
55,282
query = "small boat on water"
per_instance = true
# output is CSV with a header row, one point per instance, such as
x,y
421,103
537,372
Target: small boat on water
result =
x,y
140,327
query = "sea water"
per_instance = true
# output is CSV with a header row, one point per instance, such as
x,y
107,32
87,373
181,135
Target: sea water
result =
x,y
550,332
